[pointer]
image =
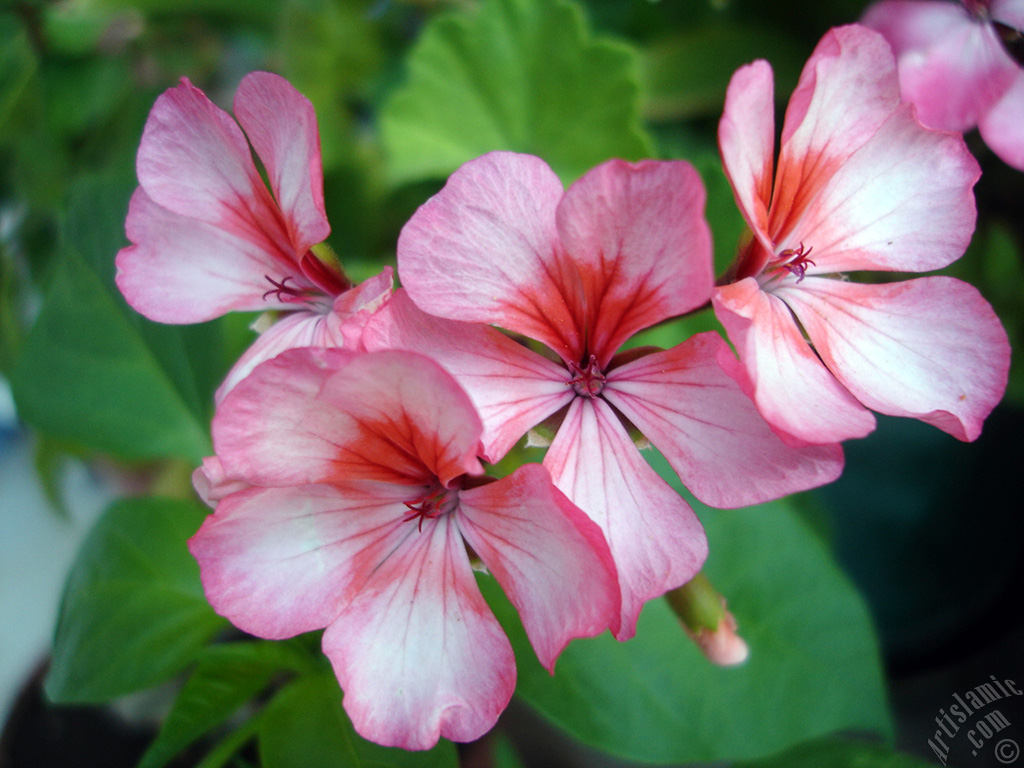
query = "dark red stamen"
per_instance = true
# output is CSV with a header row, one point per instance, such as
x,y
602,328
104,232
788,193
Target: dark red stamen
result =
x,y
430,505
288,293
587,381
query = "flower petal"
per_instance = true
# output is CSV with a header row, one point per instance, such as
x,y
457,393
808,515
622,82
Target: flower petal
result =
x,y
194,160
281,124
549,557
655,538
847,89
484,249
910,24
794,392
418,652
1002,127
904,201
930,348
281,561
294,331
638,237
317,415
512,387
746,138
956,79
710,431
212,483
355,307
181,270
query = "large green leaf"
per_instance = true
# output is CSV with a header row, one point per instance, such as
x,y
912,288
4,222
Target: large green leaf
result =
x,y
520,75
839,753
305,725
92,370
226,677
814,666
133,613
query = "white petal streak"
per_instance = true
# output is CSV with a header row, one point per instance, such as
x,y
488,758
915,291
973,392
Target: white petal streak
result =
x,y
549,557
710,431
654,536
904,201
930,348
794,392
418,652
281,561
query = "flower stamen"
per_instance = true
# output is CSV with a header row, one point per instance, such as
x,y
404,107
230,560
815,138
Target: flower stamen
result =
x,y
290,294
587,381
795,261
431,505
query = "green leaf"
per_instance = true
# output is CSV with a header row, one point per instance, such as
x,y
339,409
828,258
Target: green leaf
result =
x,y
518,75
226,677
96,373
305,725
839,753
505,755
687,73
656,698
133,613
329,48
17,64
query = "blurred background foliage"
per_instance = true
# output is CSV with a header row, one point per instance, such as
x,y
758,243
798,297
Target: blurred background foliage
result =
x,y
406,91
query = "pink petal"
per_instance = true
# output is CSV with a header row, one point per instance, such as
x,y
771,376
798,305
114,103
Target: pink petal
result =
x,y
181,270
293,331
930,348
281,561
710,431
355,307
915,24
548,556
656,540
484,249
281,124
417,652
954,81
903,201
212,483
746,138
793,391
847,89
194,160
512,387
638,237
316,415
1009,12
1002,127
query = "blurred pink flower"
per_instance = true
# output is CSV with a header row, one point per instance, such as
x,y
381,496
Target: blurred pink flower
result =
x,y
956,68
581,271
860,185
209,237
365,495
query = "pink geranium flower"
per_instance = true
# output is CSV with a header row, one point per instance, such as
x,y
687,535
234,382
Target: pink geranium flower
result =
x,y
960,64
365,495
209,237
581,271
860,185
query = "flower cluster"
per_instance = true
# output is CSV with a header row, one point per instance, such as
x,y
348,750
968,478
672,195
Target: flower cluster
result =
x,y
350,478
